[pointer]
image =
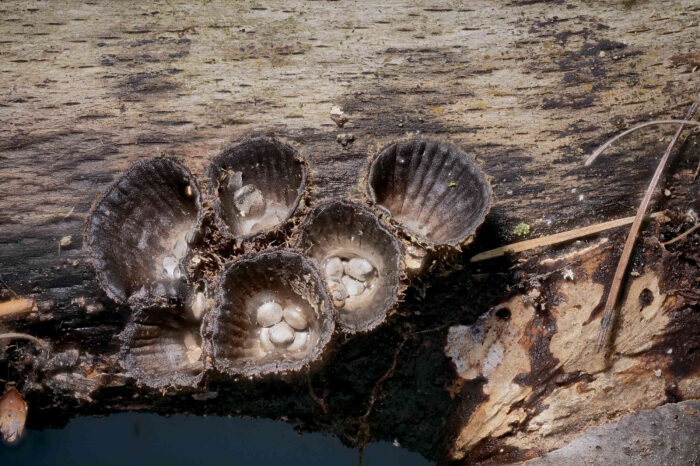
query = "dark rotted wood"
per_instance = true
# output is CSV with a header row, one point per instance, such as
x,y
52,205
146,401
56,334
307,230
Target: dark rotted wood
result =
x,y
529,87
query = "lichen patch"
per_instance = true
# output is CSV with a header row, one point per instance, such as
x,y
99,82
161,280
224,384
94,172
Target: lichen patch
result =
x,y
496,348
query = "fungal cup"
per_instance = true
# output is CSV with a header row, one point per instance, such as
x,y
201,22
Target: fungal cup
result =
x,y
272,314
162,347
141,228
257,185
434,191
360,258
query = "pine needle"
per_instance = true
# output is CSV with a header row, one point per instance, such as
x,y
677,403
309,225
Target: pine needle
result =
x,y
599,150
556,238
609,312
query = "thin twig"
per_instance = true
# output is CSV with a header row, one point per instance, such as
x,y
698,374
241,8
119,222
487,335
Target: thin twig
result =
x,y
599,150
8,287
682,235
24,336
387,375
609,310
556,238
363,433
320,401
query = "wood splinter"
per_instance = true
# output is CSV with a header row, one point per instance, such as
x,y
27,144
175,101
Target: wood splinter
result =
x,y
556,238
16,306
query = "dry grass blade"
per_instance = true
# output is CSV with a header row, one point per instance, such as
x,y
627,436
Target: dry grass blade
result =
x,y
609,309
599,150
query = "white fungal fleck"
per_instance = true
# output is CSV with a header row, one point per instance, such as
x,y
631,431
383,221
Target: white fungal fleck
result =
x,y
281,334
692,216
338,288
267,221
338,298
415,257
234,180
295,317
493,359
338,116
199,304
353,287
268,314
249,201
265,342
194,351
194,355
300,339
334,268
170,267
180,248
143,240
358,268
190,341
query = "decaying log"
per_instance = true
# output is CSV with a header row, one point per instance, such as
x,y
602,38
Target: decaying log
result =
x,y
529,87
544,379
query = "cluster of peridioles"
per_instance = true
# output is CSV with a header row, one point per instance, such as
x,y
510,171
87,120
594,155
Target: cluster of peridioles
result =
x,y
273,310
282,328
348,278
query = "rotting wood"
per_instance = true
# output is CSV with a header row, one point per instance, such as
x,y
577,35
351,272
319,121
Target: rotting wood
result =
x,y
90,88
545,380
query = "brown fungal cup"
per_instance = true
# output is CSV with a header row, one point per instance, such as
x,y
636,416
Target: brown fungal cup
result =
x,y
161,347
360,258
272,314
257,185
435,192
140,229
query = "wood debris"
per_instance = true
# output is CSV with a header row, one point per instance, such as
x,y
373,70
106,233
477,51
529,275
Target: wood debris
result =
x,y
555,239
16,306
13,415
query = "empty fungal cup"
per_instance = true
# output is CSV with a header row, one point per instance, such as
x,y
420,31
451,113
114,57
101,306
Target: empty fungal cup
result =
x,y
360,259
272,314
162,348
140,229
435,192
257,185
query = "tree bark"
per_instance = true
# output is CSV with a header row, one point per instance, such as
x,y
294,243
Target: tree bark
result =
x,y
530,87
